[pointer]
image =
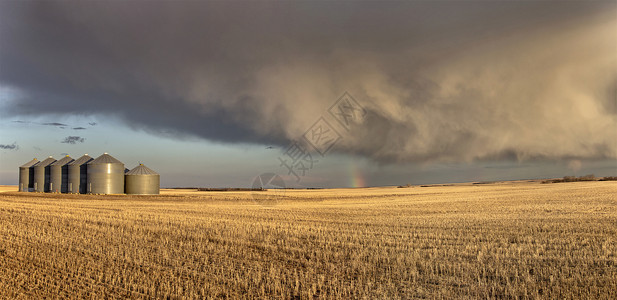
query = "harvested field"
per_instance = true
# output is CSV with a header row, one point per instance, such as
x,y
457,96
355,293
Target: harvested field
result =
x,y
497,240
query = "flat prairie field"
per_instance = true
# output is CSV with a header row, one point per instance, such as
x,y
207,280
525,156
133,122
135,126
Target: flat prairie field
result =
x,y
501,240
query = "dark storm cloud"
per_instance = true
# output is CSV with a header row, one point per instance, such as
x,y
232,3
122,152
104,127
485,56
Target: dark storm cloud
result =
x,y
73,140
12,146
439,81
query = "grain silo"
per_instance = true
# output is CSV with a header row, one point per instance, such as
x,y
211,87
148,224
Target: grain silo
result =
x,y
78,175
41,175
105,175
142,180
26,176
59,175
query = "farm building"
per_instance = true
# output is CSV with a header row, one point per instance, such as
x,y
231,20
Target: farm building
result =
x,y
142,180
59,175
105,175
42,175
26,176
78,175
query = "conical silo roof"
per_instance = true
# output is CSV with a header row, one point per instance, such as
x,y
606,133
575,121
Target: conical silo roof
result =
x,y
30,163
82,160
63,161
105,159
48,161
141,170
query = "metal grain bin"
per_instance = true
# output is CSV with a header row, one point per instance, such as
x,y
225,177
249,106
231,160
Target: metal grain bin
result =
x,y
142,180
59,175
78,175
26,176
105,175
41,175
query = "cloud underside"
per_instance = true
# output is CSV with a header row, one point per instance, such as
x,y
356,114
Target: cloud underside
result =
x,y
439,81
12,146
73,140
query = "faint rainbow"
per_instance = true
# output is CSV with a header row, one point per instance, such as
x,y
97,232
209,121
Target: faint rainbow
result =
x,y
356,177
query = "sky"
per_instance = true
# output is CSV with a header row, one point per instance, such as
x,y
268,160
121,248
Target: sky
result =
x,y
324,94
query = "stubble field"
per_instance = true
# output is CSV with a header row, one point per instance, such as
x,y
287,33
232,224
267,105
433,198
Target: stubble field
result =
x,y
503,240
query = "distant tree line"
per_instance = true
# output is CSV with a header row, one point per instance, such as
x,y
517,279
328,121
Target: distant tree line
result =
x,y
589,177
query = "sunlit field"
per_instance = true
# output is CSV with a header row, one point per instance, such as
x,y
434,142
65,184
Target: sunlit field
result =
x,y
504,240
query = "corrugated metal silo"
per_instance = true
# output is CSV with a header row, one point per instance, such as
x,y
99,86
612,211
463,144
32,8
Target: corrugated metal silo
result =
x,y
59,175
41,175
142,180
78,175
26,176
105,175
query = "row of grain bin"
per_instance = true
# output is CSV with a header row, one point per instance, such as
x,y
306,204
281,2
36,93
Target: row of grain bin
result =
x,y
85,175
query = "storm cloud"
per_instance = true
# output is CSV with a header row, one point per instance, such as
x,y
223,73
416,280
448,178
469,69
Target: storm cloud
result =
x,y
444,81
